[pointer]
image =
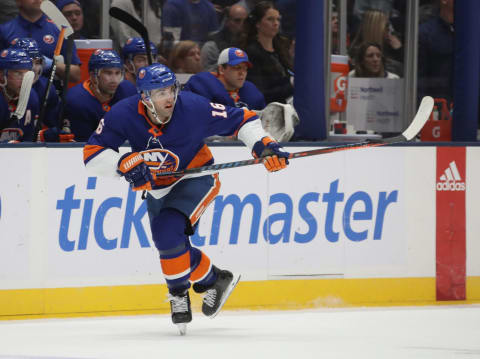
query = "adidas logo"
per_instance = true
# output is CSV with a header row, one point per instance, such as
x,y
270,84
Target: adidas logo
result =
x,y
451,180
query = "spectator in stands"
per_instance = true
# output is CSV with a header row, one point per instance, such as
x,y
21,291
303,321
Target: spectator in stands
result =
x,y
269,53
248,4
221,7
189,20
9,10
122,32
14,63
288,11
370,62
228,36
376,28
185,58
134,55
228,85
436,54
88,102
32,22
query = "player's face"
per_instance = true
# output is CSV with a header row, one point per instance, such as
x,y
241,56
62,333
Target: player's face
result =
x,y
164,100
270,23
109,79
14,79
37,68
235,76
140,60
373,60
74,15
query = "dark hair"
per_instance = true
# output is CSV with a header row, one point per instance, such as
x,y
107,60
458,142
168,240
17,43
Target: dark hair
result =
x,y
280,43
360,70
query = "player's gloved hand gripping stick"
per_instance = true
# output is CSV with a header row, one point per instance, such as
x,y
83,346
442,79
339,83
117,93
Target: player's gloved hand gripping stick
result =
x,y
132,166
274,157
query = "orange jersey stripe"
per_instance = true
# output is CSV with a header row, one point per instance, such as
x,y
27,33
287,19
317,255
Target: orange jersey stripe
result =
x,y
247,114
202,269
90,150
176,265
202,157
209,197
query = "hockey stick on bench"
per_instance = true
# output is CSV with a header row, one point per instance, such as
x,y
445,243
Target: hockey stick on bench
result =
x,y
23,99
416,125
136,25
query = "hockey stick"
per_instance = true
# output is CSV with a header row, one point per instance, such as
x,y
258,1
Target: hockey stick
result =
x,y
66,78
65,31
23,98
416,125
128,19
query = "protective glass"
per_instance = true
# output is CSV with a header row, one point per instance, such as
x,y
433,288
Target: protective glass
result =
x,y
163,93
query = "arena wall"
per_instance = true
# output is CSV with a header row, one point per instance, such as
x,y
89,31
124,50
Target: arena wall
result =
x,y
352,228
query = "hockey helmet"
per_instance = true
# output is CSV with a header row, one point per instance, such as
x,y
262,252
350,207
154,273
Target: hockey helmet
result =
x,y
135,46
15,59
101,59
155,76
29,45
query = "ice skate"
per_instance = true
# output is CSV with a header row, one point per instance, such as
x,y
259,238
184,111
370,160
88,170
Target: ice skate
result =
x,y
181,311
216,295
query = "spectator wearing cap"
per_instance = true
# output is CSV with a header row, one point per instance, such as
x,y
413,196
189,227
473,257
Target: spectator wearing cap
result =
x,y
228,84
88,102
228,36
72,9
32,22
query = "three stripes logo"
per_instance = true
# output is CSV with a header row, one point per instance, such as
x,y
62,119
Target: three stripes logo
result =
x,y
451,180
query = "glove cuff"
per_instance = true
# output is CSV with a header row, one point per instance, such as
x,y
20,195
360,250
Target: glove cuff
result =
x,y
128,161
260,146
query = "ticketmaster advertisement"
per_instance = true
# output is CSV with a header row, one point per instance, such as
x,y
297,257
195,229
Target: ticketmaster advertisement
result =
x,y
354,214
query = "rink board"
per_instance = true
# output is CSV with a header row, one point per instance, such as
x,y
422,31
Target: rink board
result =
x,y
347,228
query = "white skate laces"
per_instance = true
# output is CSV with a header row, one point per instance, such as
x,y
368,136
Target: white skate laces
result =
x,y
210,296
179,304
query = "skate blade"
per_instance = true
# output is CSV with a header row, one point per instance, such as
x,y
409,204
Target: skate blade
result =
x,y
182,328
227,293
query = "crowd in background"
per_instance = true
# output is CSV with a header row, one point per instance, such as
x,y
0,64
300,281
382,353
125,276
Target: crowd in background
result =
x,y
189,35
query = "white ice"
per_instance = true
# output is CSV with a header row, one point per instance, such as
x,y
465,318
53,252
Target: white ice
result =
x,y
403,332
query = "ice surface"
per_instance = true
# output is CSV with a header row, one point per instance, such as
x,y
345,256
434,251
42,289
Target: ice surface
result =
x,y
404,332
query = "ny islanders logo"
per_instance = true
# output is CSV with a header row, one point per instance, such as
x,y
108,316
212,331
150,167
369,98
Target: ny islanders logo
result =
x,y
160,160
48,39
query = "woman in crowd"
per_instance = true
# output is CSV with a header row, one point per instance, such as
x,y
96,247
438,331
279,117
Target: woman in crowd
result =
x,y
269,53
185,58
375,28
370,62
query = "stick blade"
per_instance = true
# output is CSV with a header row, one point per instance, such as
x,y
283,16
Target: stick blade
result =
x,y
422,116
54,13
24,96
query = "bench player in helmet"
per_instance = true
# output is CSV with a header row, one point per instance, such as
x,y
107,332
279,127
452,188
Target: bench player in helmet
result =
x,y
89,101
14,63
134,55
49,132
166,131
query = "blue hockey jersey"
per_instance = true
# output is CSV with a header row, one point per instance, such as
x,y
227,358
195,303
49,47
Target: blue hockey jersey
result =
x,y
208,85
175,146
84,111
22,129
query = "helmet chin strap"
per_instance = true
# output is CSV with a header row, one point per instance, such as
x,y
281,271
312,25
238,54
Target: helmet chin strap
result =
x,y
151,107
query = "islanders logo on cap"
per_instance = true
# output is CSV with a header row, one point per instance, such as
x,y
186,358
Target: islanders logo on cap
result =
x,y
239,53
141,74
48,39
4,53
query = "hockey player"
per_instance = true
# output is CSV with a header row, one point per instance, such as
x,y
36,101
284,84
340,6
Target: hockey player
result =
x,y
165,130
14,63
49,132
88,102
228,84
134,55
